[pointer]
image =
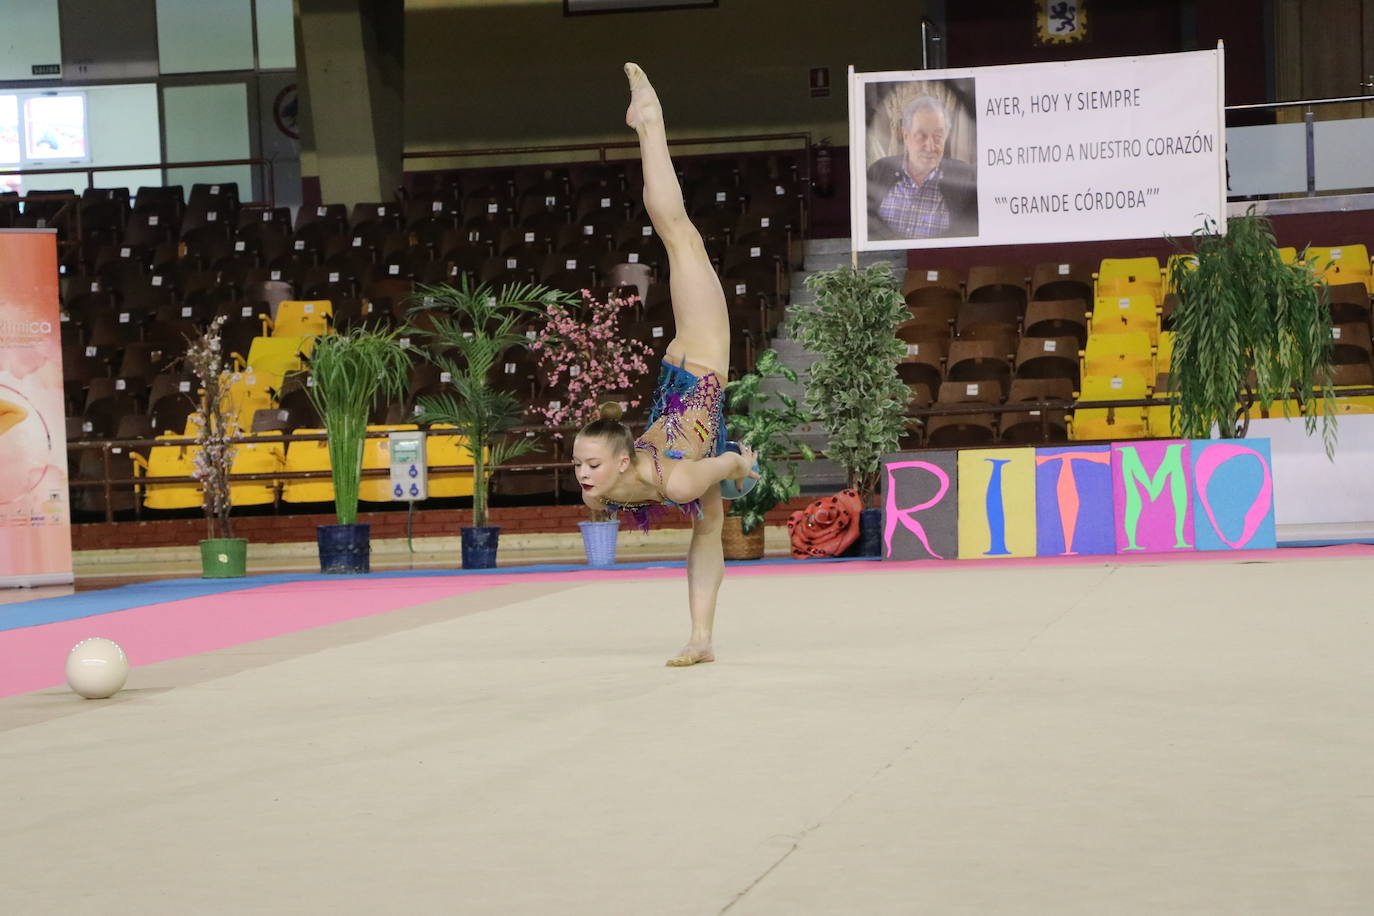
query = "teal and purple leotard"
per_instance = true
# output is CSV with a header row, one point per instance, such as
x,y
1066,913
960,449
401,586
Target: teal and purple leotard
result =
x,y
689,411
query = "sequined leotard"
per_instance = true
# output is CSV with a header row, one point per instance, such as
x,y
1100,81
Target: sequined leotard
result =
x,y
686,420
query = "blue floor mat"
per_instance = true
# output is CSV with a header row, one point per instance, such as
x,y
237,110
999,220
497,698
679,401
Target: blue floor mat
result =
x,y
39,611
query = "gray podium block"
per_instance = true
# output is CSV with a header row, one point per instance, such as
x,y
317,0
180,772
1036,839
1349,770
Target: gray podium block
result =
x,y
920,497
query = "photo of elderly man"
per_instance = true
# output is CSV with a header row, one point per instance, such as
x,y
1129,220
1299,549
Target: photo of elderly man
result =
x,y
925,188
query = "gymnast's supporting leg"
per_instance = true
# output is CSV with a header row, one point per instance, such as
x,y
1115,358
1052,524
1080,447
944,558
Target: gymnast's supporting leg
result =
x,y
705,570
699,314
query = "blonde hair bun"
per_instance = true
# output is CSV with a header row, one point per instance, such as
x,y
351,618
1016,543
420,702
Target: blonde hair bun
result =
x,y
610,411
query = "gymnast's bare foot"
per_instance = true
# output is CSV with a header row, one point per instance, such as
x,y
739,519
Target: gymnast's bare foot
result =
x,y
644,108
694,653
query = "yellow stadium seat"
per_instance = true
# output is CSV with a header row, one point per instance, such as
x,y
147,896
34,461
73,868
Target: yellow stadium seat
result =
x,y
1110,422
275,356
1279,410
1119,314
1188,260
1160,420
447,451
1127,354
377,454
308,456
251,392
303,318
1160,423
168,461
1164,353
260,455
1345,404
1340,264
1129,277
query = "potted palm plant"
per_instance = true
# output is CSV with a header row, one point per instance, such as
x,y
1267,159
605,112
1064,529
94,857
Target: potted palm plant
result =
x,y
1247,327
583,353
347,374
468,328
853,387
222,556
768,429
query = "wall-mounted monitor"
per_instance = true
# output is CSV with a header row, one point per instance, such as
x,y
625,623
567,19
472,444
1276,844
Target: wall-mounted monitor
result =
x,y
44,129
11,150
55,128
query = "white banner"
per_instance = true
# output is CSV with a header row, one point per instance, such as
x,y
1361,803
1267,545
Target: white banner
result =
x,y
1116,148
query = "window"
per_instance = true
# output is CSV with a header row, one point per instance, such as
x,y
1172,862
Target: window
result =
x,y
197,36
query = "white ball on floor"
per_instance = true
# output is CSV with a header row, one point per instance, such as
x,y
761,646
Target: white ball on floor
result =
x,y
97,668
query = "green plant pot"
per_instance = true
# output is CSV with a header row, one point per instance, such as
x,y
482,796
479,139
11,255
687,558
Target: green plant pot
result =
x,y
224,558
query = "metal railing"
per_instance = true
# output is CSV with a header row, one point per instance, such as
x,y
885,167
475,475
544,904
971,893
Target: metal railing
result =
x,y
750,142
602,148
90,171
109,447
559,464
1309,125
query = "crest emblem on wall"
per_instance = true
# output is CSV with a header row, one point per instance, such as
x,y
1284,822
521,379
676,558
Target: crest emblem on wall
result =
x,y
1060,21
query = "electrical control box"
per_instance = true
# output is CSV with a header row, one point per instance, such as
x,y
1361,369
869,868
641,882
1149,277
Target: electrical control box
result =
x,y
409,477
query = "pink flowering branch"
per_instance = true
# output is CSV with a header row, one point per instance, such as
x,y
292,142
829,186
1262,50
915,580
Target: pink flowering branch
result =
x,y
584,355
216,424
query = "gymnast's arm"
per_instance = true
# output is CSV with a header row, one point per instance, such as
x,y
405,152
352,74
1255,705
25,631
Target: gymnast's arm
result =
x,y
690,480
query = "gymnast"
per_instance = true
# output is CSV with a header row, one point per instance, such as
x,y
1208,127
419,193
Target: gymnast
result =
x,y
681,459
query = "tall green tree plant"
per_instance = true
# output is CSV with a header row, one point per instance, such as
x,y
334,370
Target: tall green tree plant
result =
x,y
1247,328
854,388
347,374
770,430
469,327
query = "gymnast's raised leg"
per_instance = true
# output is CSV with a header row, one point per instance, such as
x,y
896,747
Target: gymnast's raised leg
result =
x,y
702,338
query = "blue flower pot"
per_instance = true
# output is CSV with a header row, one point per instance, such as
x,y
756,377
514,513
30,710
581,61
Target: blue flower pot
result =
x,y
479,547
870,540
599,539
871,533
344,549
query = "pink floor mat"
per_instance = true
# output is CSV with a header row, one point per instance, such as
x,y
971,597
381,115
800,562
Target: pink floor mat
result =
x,y
32,658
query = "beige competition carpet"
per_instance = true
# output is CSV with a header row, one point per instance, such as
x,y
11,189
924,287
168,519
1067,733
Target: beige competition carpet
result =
x,y
1094,739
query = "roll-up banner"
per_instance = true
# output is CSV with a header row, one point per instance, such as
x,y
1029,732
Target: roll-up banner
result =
x,y
1087,150
35,519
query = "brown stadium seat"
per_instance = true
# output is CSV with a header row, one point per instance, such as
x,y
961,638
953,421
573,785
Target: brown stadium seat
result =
x,y
1348,302
979,360
1041,358
1002,283
1057,318
1062,280
1037,427
964,430
920,277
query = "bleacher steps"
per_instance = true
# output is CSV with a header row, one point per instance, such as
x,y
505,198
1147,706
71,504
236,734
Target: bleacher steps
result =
x,y
821,476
